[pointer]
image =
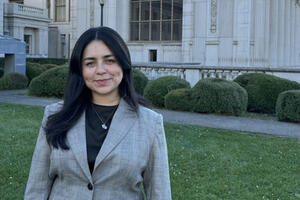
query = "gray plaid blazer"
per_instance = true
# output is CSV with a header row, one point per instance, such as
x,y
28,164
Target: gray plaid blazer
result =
x,y
133,152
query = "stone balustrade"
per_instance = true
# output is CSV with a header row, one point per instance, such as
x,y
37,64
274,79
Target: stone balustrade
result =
x,y
23,10
195,72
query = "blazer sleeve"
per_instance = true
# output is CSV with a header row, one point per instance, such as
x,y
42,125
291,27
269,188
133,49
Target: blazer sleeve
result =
x,y
39,182
156,175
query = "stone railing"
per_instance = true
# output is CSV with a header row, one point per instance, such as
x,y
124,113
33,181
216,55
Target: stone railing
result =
x,y
23,10
195,72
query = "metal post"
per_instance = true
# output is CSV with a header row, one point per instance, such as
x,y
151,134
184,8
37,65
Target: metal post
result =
x,y
102,5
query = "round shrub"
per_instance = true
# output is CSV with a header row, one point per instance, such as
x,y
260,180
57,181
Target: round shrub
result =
x,y
1,72
51,83
263,90
13,81
33,70
157,89
288,106
179,99
214,95
48,66
139,81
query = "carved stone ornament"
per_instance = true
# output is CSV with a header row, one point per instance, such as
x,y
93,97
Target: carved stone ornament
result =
x,y
213,16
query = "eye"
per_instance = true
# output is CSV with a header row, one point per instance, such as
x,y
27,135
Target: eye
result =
x,y
90,64
110,61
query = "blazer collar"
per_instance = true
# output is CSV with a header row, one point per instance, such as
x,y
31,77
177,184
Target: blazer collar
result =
x,y
124,118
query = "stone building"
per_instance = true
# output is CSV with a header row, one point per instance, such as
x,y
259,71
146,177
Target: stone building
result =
x,y
263,33
27,20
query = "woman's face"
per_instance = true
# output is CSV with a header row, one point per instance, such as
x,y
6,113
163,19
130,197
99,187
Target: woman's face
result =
x,y
101,71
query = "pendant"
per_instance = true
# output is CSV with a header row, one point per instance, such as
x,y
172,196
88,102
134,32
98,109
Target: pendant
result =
x,y
104,126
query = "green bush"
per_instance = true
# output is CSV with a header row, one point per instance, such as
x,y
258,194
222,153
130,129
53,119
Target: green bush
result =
x,y
51,83
13,81
157,89
33,70
288,106
179,99
56,61
49,66
1,72
214,95
263,90
140,81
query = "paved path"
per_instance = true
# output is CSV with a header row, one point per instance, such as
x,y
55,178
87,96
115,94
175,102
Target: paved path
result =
x,y
223,122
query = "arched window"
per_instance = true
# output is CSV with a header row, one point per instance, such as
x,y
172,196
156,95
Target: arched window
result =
x,y
156,20
60,10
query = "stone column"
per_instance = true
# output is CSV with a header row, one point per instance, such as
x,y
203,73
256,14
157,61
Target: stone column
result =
x,y
293,35
123,17
242,32
287,37
281,21
212,41
110,14
1,17
187,30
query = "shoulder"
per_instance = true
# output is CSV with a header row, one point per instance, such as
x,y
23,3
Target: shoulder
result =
x,y
53,108
149,116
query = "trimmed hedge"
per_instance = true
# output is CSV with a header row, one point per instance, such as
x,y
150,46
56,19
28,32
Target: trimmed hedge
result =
x,y
214,95
1,72
263,90
157,89
51,83
179,99
140,81
33,70
13,81
288,106
56,61
49,66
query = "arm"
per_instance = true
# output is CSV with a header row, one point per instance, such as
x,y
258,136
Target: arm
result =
x,y
39,183
156,176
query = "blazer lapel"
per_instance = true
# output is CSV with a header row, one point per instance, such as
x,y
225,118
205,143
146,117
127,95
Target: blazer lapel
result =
x,y
77,141
122,122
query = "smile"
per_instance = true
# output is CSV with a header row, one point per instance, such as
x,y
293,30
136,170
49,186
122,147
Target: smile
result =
x,y
102,82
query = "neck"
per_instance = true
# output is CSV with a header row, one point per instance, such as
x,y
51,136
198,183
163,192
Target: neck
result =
x,y
106,100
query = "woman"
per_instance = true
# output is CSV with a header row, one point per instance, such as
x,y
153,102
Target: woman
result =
x,y
100,142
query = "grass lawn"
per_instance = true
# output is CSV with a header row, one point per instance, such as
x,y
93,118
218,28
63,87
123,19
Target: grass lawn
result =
x,y
204,163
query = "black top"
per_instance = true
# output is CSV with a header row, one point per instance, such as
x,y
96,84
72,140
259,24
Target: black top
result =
x,y
95,134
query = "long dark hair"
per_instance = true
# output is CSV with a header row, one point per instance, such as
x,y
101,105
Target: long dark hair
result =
x,y
77,95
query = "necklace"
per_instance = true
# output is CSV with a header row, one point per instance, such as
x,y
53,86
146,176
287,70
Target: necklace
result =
x,y
103,125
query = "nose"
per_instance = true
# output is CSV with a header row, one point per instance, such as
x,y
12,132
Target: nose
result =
x,y
100,69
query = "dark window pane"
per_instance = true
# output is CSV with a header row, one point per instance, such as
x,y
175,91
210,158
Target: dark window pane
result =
x,y
155,31
134,31
177,9
166,30
177,29
145,10
135,11
145,31
155,10
166,9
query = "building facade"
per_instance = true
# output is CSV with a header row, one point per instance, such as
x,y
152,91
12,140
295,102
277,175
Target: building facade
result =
x,y
27,20
262,33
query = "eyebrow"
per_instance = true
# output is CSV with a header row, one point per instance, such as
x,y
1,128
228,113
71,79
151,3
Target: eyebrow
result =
x,y
93,58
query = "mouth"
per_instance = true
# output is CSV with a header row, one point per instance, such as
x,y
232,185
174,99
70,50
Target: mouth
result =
x,y
102,82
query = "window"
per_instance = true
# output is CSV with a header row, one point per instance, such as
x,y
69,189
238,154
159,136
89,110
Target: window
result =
x,y
16,1
156,20
27,40
153,55
60,10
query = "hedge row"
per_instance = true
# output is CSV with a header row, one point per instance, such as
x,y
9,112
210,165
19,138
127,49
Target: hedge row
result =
x,y
288,106
156,90
13,81
263,90
50,83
